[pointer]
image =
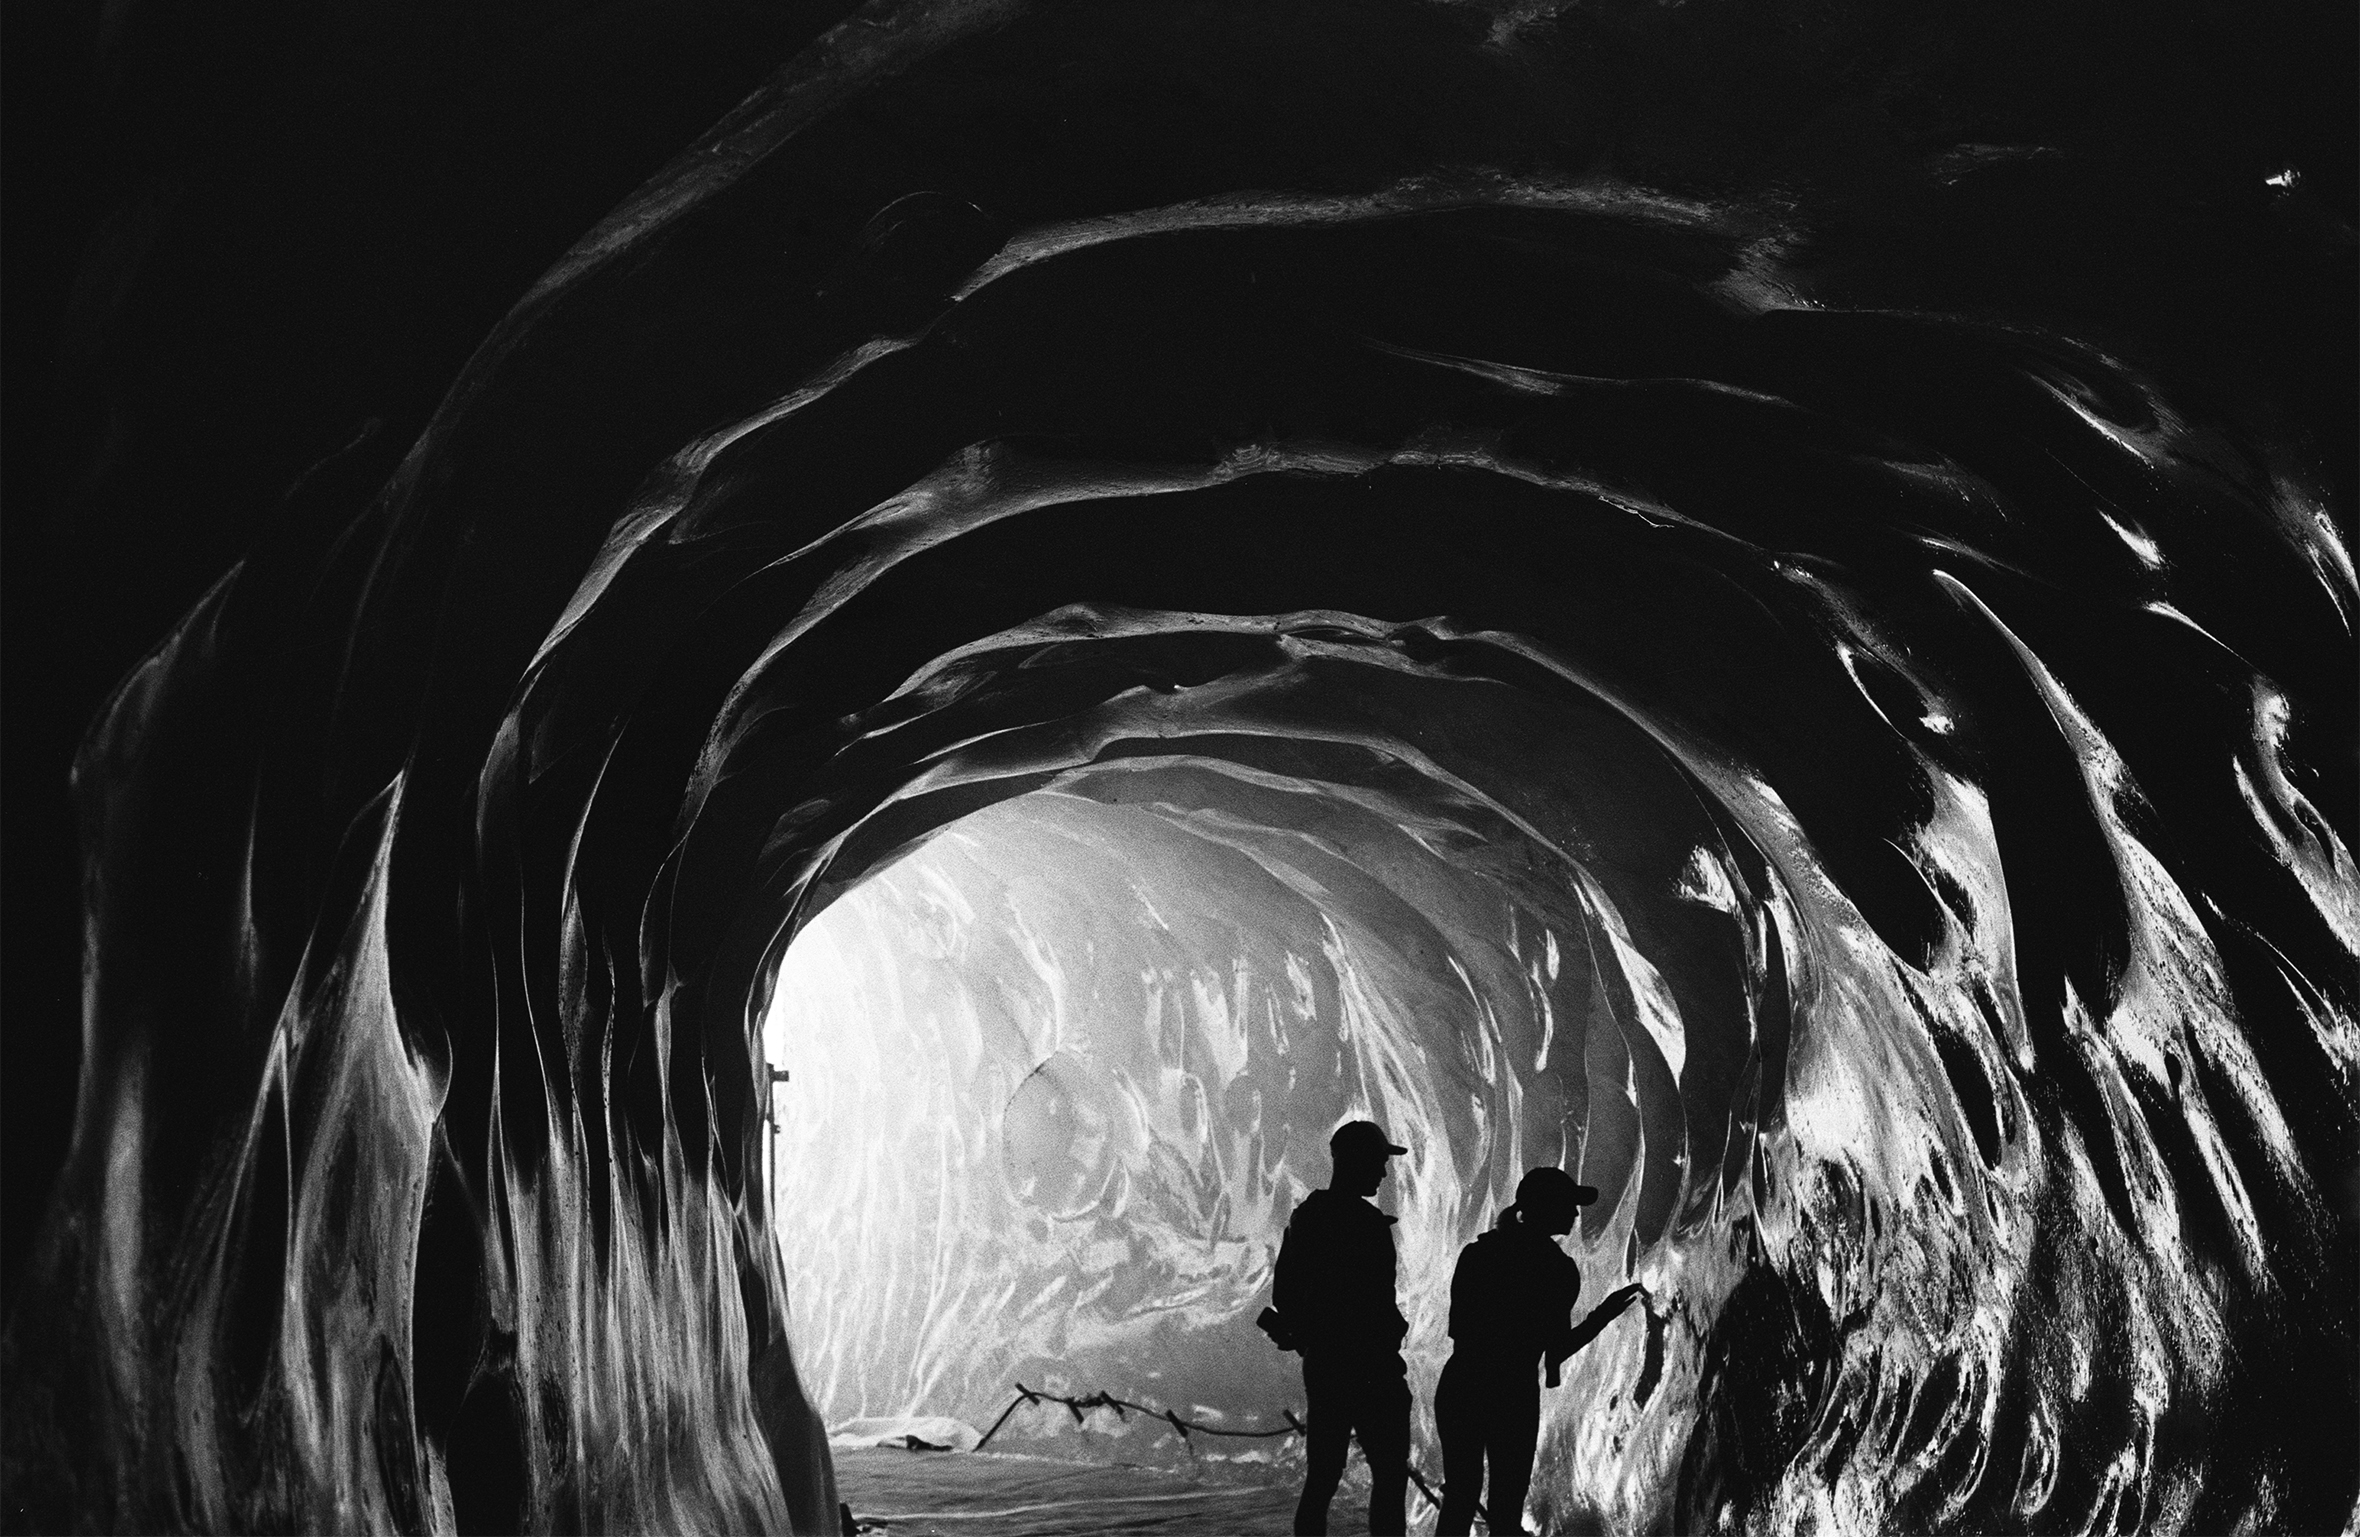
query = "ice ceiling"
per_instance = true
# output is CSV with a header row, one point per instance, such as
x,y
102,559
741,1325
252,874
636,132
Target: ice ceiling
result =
x,y
1149,615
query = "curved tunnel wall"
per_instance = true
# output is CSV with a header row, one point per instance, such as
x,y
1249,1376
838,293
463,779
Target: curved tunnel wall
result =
x,y
1062,1073
1074,1070
1957,717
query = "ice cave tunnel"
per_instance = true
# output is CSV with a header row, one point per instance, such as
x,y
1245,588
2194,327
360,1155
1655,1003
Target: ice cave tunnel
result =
x,y
1105,628
1061,1073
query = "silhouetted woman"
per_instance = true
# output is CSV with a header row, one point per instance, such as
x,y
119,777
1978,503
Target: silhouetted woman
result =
x,y
1511,1304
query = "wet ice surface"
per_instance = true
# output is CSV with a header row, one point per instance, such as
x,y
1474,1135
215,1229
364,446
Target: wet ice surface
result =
x,y
953,1494
1061,1075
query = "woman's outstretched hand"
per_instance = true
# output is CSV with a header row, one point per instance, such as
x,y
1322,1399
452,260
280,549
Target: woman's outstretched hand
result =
x,y
1589,1328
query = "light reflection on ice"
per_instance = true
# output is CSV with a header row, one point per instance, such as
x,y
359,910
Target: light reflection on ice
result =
x,y
1061,1075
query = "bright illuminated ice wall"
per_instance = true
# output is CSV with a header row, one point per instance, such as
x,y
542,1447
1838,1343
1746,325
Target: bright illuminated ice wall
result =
x,y
1061,1074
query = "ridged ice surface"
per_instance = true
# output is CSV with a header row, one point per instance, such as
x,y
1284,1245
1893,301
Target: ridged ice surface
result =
x,y
1062,1071
1107,628
1061,1075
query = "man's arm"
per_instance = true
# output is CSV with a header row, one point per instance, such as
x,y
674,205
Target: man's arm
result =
x,y
1285,1281
1398,1320
1295,1283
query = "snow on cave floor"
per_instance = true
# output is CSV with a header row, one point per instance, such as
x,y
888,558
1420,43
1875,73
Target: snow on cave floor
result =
x,y
985,1494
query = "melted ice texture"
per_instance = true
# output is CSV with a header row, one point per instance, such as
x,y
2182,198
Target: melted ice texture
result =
x,y
1061,1073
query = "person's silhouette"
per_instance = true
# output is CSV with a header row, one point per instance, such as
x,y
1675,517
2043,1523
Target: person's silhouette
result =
x,y
1334,1292
1511,1304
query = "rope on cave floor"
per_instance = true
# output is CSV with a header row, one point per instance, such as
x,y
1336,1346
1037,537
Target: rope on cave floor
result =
x,y
1122,1406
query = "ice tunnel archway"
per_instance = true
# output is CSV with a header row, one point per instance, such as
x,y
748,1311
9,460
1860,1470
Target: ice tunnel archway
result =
x,y
1067,1065
1947,712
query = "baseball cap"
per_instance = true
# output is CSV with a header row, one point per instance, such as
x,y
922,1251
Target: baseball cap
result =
x,y
1362,1138
1548,1186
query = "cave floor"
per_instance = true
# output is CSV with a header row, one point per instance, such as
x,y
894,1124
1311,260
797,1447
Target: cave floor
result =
x,y
953,1494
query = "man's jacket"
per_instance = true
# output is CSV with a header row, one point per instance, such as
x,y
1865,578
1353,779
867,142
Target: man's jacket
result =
x,y
1334,1286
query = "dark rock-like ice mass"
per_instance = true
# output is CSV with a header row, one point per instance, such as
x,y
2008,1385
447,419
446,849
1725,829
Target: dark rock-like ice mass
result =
x,y
1302,586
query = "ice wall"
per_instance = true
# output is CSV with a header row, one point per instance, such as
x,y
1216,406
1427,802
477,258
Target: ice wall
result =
x,y
1918,664
1062,1073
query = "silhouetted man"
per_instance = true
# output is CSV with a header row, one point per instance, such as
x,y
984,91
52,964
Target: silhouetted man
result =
x,y
1335,1298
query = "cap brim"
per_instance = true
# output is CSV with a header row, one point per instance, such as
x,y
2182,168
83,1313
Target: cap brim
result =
x,y
1390,1148
1583,1195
